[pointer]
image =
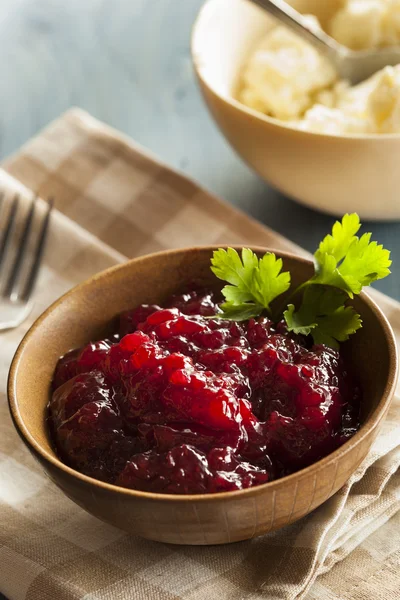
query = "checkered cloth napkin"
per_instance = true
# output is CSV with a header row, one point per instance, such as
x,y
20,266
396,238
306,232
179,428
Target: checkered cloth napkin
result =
x,y
115,201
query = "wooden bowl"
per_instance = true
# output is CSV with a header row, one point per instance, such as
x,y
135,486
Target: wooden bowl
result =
x,y
332,173
84,314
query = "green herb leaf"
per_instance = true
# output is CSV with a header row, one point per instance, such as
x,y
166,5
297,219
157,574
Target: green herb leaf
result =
x,y
343,234
364,263
271,282
255,282
348,262
324,315
239,312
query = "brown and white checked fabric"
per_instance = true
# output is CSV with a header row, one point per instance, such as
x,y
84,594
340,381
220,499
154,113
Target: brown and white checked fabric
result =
x,y
115,201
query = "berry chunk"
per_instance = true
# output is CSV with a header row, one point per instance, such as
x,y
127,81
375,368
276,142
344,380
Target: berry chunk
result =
x,y
187,470
72,395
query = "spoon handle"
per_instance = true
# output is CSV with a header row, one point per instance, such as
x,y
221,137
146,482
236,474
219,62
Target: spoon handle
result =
x,y
289,16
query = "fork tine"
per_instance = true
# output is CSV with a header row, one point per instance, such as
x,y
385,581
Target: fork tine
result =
x,y
16,267
9,227
30,284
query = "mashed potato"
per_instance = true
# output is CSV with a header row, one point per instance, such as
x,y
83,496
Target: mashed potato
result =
x,y
370,107
283,74
288,79
363,24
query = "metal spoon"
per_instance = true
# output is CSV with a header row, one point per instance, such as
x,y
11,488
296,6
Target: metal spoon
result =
x,y
354,66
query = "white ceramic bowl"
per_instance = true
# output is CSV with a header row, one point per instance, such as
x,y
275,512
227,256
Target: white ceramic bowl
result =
x,y
334,174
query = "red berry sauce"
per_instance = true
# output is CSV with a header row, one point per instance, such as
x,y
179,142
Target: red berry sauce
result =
x,y
178,402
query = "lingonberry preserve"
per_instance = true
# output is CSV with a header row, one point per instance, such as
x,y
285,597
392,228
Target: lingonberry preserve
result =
x,y
179,402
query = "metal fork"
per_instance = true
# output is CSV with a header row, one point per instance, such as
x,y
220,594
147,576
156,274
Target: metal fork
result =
x,y
19,265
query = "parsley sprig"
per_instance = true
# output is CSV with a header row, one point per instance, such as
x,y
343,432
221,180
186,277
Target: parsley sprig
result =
x,y
255,282
344,264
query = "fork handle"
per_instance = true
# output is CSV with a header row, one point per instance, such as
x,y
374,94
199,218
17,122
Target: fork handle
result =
x,y
289,16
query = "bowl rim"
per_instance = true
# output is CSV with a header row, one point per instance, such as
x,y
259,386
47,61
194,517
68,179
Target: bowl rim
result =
x,y
365,429
230,100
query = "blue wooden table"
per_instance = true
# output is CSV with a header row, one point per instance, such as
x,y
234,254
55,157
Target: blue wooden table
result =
x,y
128,63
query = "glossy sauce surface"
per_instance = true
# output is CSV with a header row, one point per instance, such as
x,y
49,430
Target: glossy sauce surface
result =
x,y
180,402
